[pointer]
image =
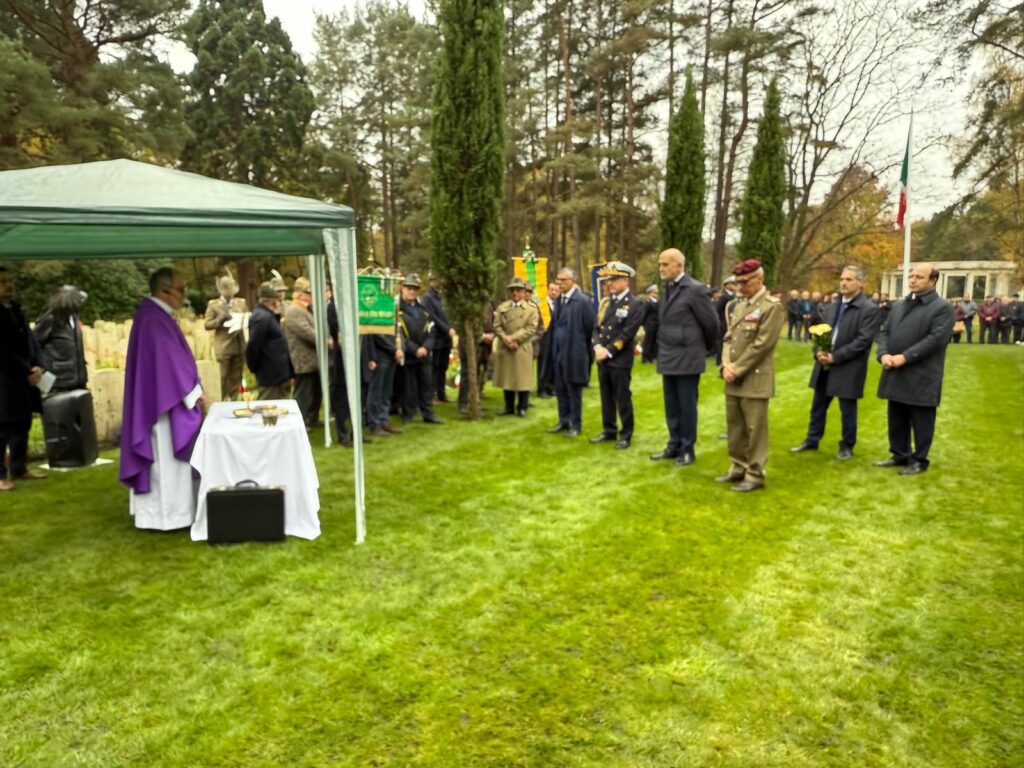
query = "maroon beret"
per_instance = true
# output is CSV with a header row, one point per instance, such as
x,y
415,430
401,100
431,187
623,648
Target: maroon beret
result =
x,y
746,267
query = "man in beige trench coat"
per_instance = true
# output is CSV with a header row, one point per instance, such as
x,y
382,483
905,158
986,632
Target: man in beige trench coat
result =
x,y
516,322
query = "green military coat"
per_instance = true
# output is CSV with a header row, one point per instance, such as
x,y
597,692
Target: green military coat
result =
x,y
752,328
513,369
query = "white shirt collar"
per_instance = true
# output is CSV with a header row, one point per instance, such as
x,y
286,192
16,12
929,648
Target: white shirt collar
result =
x,y
162,304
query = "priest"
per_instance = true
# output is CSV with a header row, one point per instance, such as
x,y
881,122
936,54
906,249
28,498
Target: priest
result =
x,y
164,406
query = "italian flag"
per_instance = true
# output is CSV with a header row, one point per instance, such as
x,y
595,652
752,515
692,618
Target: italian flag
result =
x,y
904,178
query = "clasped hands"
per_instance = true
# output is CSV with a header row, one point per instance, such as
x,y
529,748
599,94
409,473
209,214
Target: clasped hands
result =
x,y
893,361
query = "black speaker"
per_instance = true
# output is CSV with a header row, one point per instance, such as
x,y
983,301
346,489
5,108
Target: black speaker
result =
x,y
244,512
69,428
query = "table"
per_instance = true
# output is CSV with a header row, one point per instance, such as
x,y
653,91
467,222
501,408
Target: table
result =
x,y
229,450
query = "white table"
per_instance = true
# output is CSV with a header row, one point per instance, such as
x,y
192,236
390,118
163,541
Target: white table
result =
x,y
229,450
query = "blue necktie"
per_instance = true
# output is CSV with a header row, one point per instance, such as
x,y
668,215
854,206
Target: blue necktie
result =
x,y
839,317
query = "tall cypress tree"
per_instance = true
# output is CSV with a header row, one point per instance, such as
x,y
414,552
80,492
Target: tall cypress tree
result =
x,y
682,210
762,218
468,153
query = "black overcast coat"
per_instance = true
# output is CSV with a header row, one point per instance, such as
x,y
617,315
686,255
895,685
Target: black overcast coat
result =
x,y
918,329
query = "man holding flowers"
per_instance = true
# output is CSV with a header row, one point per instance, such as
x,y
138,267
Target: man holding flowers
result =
x,y
842,346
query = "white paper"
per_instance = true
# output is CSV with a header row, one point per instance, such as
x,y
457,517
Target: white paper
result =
x,y
234,325
46,382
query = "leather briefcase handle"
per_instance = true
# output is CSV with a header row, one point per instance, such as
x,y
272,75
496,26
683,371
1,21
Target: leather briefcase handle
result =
x,y
247,483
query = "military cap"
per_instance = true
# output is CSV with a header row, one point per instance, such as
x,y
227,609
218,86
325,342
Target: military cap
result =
x,y
616,269
746,267
412,280
266,291
302,285
516,282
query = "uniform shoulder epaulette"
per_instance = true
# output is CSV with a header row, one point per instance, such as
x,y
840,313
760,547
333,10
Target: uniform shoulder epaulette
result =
x,y
773,299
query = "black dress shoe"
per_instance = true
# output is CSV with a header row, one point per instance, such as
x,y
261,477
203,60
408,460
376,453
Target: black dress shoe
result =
x,y
622,444
666,454
602,438
890,463
732,477
685,460
573,433
747,486
521,413
914,468
804,446
557,428
845,454
432,420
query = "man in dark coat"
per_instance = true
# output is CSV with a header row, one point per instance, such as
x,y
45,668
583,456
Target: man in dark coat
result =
x,y
912,351
20,371
650,325
415,325
687,330
722,303
841,372
443,335
571,331
618,320
266,354
545,365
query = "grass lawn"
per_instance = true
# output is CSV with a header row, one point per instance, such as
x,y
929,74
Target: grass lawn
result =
x,y
527,600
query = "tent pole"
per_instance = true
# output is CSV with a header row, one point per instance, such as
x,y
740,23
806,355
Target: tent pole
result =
x,y
315,270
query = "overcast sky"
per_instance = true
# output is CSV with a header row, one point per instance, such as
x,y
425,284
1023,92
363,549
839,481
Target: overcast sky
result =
x,y
932,186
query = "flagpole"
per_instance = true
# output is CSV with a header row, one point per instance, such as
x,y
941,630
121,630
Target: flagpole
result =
x,y
906,215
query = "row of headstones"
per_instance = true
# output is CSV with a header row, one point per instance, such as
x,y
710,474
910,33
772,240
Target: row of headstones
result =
x,y
106,345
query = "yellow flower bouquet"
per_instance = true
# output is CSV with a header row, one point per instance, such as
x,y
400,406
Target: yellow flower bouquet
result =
x,y
821,339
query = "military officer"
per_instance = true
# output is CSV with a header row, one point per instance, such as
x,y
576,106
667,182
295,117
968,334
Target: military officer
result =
x,y
228,339
515,324
753,324
618,319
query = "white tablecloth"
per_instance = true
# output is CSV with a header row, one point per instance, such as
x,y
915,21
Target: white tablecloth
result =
x,y
229,450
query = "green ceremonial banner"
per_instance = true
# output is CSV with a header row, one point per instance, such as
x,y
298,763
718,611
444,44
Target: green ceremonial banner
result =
x,y
376,303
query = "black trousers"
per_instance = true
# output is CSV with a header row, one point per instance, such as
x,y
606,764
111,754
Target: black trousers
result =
x,y
15,437
969,325
418,380
819,412
616,397
570,401
680,395
441,357
308,395
904,419
796,323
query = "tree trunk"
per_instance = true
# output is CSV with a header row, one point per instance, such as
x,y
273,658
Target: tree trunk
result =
x,y
472,330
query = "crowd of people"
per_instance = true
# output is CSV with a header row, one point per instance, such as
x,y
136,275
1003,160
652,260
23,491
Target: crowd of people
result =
x,y
680,325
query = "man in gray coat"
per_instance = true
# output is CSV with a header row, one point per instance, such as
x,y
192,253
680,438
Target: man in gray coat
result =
x,y
841,372
912,351
687,334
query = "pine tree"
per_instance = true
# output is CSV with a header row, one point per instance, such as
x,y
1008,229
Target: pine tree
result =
x,y
468,148
250,103
761,213
682,210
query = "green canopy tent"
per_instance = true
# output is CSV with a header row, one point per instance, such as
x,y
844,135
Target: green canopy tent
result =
x,y
122,209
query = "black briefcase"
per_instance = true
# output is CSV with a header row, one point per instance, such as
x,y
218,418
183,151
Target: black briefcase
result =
x,y
244,512
69,428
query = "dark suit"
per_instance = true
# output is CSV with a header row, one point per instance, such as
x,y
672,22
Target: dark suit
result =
x,y
266,354
851,348
418,381
618,320
545,365
918,327
19,353
431,301
650,326
687,333
571,331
